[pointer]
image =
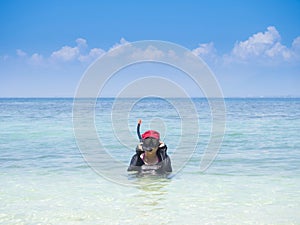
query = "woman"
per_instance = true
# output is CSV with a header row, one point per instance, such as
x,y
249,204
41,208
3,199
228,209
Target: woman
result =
x,y
151,155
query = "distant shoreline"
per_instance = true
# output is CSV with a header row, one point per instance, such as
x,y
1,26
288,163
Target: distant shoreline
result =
x,y
225,98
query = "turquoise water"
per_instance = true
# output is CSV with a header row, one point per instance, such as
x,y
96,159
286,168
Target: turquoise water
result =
x,y
255,178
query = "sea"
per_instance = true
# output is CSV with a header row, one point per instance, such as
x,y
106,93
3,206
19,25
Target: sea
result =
x,y
51,174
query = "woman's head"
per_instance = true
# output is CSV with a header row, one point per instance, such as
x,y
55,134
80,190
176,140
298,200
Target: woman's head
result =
x,y
150,140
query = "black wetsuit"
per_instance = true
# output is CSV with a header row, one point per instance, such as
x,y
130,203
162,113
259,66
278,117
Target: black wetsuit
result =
x,y
163,165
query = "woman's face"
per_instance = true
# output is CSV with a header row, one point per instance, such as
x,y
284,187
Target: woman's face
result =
x,y
152,152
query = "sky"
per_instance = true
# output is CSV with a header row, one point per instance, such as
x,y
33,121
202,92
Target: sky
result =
x,y
252,47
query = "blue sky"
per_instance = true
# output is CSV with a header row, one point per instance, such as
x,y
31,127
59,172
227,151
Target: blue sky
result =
x,y
253,47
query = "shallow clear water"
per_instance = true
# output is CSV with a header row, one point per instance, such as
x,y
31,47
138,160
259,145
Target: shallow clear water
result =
x,y
255,178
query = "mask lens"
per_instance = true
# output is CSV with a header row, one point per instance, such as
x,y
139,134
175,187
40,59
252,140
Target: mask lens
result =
x,y
150,143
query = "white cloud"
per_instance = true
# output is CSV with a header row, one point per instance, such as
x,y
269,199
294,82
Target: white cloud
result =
x,y
142,51
33,59
279,50
81,43
66,53
153,53
113,51
207,52
21,53
79,52
257,45
150,52
92,55
263,48
172,54
121,43
4,57
207,49
36,59
296,44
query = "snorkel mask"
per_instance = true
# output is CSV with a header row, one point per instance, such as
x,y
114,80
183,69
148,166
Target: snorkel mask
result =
x,y
150,143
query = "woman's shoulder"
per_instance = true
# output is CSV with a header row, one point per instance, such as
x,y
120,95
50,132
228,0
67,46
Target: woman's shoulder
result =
x,y
162,146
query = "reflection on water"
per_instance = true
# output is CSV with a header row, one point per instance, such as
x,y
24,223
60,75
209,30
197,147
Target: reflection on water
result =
x,y
151,192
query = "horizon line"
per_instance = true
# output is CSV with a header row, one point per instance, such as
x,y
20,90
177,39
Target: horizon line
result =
x,y
133,97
